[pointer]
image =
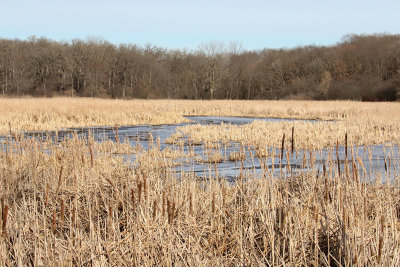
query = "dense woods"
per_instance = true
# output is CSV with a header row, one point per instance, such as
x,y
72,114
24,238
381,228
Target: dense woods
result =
x,y
361,67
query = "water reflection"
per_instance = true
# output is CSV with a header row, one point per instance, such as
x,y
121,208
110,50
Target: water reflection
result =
x,y
361,162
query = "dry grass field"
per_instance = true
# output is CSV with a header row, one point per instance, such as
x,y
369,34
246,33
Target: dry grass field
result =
x,y
55,113
76,203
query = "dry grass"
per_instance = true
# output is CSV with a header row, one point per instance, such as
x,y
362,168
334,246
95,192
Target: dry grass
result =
x,y
78,203
56,113
307,135
81,206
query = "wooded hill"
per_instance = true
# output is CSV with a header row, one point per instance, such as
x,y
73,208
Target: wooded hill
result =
x,y
360,67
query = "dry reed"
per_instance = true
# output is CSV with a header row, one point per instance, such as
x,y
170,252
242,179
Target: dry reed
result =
x,y
311,218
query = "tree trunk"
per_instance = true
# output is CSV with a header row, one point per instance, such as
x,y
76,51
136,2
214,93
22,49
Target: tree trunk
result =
x,y
131,84
6,85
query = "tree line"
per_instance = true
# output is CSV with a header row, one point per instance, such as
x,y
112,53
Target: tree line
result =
x,y
360,67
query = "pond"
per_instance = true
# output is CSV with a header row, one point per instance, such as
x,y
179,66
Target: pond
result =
x,y
379,161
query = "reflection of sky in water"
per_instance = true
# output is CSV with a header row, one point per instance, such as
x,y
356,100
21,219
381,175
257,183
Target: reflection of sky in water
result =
x,y
379,160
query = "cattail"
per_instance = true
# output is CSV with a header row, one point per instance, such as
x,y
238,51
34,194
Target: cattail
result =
x,y
190,204
2,207
355,260
154,209
59,178
139,191
292,139
62,213
158,144
116,134
169,210
110,211
145,186
213,203
326,190
47,194
4,217
53,224
315,214
311,159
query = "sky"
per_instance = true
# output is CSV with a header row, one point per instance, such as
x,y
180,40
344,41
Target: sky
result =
x,y
186,24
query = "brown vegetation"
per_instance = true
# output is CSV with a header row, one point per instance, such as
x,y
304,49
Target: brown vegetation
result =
x,y
81,206
26,114
78,202
362,67
309,135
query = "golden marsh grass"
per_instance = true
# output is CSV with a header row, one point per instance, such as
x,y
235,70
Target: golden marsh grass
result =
x,y
307,135
55,113
78,203
75,207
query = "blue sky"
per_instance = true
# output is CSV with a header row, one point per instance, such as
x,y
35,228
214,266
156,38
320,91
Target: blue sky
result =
x,y
186,24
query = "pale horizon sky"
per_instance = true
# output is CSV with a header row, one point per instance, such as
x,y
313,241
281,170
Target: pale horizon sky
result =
x,y
178,24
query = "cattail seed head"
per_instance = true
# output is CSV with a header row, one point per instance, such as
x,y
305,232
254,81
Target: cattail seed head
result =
x,y
53,223
190,204
47,194
62,212
213,203
169,210
4,217
154,209
139,191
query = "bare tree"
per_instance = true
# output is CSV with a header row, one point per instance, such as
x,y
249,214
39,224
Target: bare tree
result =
x,y
359,67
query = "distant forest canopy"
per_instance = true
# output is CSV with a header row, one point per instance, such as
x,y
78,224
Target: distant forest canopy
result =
x,y
360,67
